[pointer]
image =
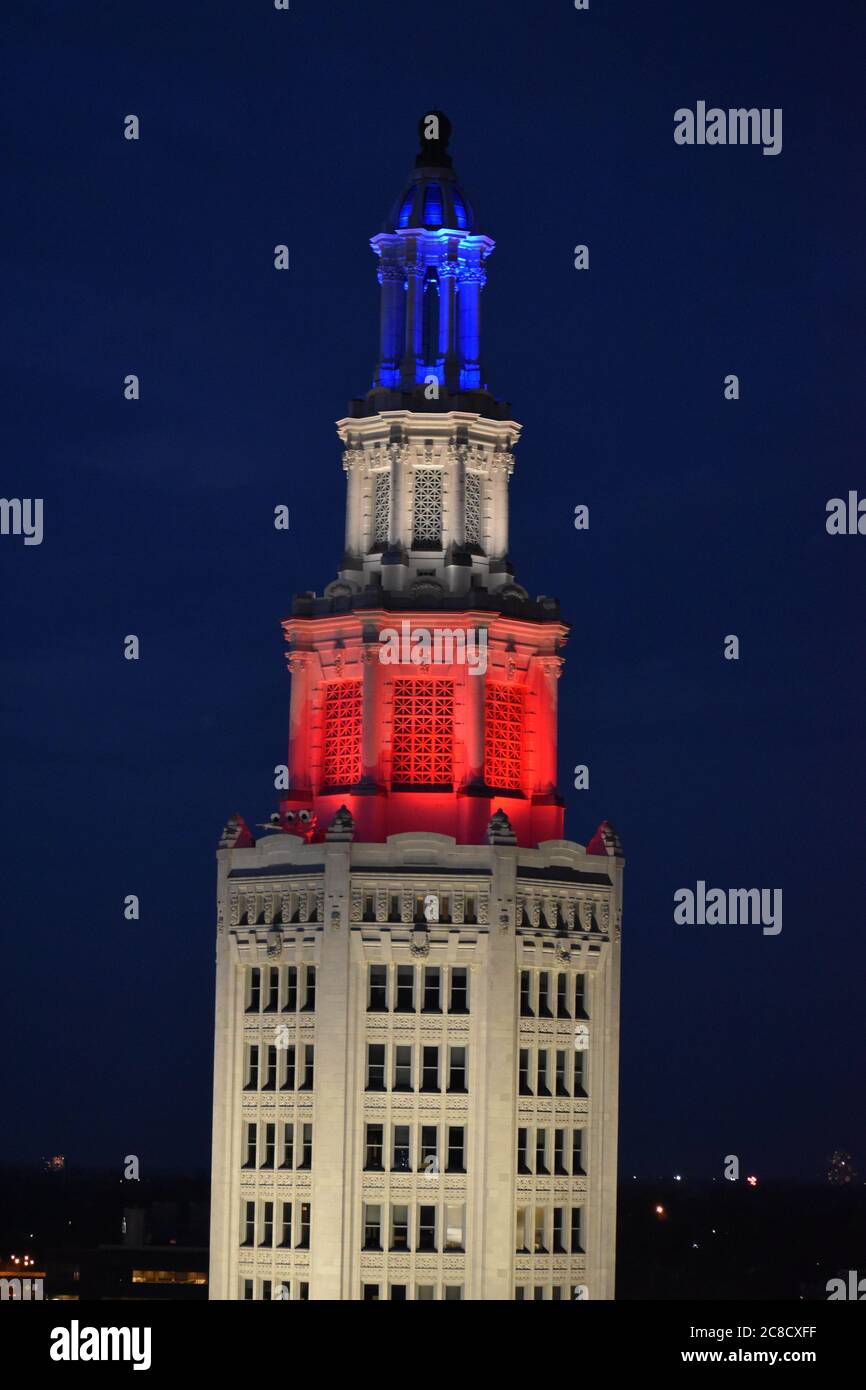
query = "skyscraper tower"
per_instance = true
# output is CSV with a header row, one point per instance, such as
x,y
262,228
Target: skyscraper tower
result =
x,y
417,1007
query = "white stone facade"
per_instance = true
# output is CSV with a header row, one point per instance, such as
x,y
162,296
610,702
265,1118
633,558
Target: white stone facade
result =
x,y
520,929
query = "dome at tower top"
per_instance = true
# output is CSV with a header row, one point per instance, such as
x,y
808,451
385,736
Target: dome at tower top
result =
x,y
432,198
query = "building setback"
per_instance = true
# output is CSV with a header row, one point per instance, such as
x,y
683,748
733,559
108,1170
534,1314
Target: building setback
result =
x,y
417,1001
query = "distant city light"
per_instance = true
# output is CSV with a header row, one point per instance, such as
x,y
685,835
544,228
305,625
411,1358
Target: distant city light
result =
x,y
752,1181
677,1177
660,1211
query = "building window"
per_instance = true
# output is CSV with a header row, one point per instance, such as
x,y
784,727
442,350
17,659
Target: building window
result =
x,y
458,1002
522,1164
303,1291
520,1294
538,1245
310,1000
377,993
291,990
252,1081
267,1239
309,1062
247,1290
372,1226
561,1078
521,1245
558,1247
375,1066
248,1225
427,517
576,1246
426,1228
250,1160
289,1078
423,735
306,1147
254,996
430,1069
544,995
405,989
399,1227
580,1073
580,997
559,1167
371,1293
431,990
526,1010
286,1227
270,1153
541,1153
577,1152
453,1292
381,508
524,1087
304,1242
457,1069
429,1156
562,997
273,1004
454,1227
400,1155
456,1149
503,735
398,1293
473,508
402,1068
425,1293
373,1145
543,1088
341,741
270,1083
288,1146
538,1293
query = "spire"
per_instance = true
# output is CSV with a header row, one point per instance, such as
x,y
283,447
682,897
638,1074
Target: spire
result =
x,y
432,269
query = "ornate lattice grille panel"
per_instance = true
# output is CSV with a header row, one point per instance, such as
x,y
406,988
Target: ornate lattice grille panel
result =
x,y
473,508
341,723
503,735
427,521
423,731
381,508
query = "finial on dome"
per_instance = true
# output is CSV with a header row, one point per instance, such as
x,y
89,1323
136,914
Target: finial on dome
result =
x,y
434,132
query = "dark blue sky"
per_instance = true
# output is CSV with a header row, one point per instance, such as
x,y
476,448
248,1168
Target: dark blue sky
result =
x,y
707,517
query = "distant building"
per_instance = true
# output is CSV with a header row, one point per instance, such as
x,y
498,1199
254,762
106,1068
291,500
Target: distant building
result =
x,y
417,1001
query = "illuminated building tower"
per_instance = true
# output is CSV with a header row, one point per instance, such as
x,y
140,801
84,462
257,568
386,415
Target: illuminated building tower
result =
x,y
417,1016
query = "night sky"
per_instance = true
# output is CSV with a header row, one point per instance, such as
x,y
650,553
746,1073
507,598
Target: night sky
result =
x,y
707,516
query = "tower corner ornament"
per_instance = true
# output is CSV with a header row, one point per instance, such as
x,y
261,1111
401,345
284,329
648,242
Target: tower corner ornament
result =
x,y
411,957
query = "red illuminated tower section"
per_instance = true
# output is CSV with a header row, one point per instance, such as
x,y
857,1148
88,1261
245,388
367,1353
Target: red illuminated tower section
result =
x,y
421,736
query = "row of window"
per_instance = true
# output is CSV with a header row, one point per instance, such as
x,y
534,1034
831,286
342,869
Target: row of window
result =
x,y
276,1068
268,1225
559,1293
549,1230
564,1158
415,1148
267,1145
271,1289
398,1293
281,989
424,1073
568,1077
538,993
422,907
404,989
402,1227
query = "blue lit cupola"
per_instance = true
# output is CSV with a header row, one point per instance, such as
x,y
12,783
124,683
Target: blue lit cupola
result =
x,y
431,270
